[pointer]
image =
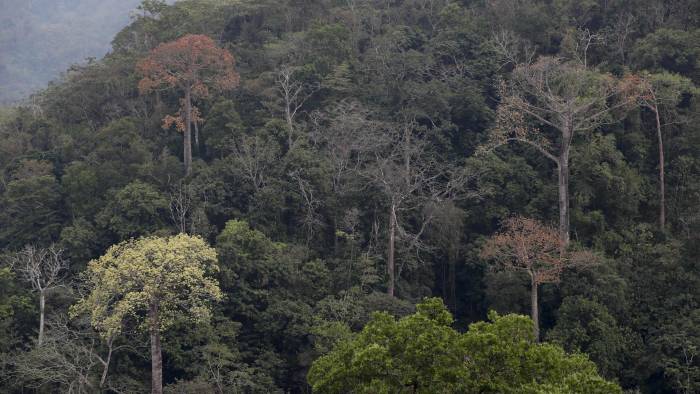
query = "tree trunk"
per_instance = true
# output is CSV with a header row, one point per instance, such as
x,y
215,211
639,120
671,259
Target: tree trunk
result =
x,y
451,279
103,379
42,307
390,254
196,138
187,156
662,181
535,313
156,353
563,181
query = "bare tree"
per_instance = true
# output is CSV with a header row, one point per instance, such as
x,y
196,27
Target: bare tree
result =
x,y
70,357
254,158
511,49
619,34
413,182
181,206
565,97
534,248
579,42
345,140
187,209
44,268
294,93
311,219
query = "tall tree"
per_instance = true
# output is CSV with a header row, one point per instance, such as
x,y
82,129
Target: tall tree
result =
x,y
662,93
565,97
534,248
192,65
45,269
154,282
412,181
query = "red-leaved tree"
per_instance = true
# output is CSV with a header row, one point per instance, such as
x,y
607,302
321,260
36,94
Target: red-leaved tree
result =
x,y
529,246
193,65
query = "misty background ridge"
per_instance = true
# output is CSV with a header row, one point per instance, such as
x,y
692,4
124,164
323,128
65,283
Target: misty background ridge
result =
x,y
40,39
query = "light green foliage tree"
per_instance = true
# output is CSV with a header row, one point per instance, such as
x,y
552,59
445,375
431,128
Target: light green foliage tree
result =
x,y
151,282
421,353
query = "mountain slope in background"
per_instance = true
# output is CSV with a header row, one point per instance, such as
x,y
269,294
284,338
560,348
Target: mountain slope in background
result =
x,y
41,38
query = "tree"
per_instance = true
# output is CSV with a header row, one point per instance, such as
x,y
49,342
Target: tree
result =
x,y
152,282
412,181
30,211
137,209
565,97
69,358
192,65
44,268
294,94
536,249
662,92
422,353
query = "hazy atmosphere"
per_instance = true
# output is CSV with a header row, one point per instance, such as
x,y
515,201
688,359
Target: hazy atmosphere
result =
x,y
40,39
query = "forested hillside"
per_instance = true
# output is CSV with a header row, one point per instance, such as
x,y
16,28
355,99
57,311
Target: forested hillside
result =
x,y
230,195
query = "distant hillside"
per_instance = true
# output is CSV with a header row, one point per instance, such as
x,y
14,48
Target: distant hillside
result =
x,y
41,38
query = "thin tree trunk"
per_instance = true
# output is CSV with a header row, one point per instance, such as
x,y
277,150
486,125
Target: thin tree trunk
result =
x,y
563,186
188,133
103,379
390,254
452,279
196,138
42,307
156,353
535,313
662,181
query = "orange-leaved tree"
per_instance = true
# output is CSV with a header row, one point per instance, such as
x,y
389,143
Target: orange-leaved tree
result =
x,y
529,246
193,65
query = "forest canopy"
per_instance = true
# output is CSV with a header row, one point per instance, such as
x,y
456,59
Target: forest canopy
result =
x,y
283,196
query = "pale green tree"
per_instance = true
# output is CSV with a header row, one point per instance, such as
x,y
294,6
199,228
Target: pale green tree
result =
x,y
151,282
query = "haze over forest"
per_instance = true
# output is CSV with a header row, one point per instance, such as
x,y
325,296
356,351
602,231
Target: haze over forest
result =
x,y
40,39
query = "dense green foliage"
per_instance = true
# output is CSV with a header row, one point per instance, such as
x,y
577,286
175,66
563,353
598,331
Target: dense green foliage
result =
x,y
352,116
421,353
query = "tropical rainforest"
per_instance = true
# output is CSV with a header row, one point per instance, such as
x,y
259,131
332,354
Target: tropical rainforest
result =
x,y
360,196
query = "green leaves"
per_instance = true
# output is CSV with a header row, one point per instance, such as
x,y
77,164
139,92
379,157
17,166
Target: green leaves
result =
x,y
421,353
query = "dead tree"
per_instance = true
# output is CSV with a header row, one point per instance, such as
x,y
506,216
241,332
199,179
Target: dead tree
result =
x,y
44,268
311,219
254,158
411,181
294,94
70,357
